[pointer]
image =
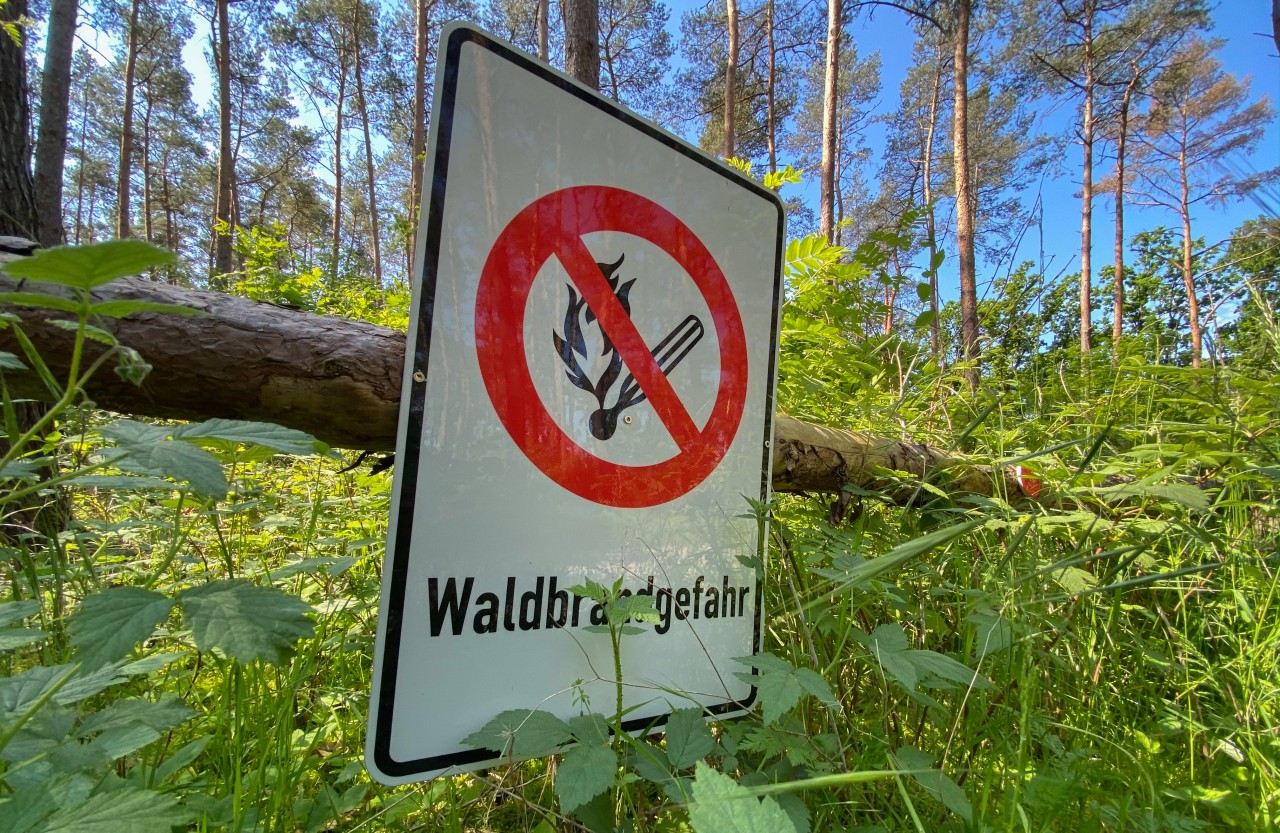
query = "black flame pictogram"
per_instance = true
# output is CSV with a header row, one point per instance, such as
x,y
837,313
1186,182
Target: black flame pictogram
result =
x,y
668,353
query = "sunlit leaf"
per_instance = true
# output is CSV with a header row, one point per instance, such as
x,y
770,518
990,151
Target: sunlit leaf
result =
x,y
245,621
721,805
86,267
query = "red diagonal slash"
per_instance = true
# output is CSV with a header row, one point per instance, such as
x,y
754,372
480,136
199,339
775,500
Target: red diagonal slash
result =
x,y
614,321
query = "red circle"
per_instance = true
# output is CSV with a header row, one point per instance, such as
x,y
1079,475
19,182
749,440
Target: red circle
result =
x,y
555,223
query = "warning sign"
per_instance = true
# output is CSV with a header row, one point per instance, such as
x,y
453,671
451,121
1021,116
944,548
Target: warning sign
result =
x,y
588,395
553,226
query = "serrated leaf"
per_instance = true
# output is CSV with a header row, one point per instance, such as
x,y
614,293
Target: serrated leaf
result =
x,y
590,728
934,664
275,437
109,623
14,638
778,685
521,733
124,810
119,309
650,762
162,715
181,758
95,333
86,267
27,807
689,739
21,691
11,612
181,461
40,299
586,771
721,805
146,665
245,621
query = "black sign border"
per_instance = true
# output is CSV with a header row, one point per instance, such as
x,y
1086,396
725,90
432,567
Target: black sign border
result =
x,y
453,40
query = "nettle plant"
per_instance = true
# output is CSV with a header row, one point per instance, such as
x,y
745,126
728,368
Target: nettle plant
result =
x,y
85,741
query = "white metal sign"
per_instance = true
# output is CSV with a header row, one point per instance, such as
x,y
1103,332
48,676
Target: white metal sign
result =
x,y
588,394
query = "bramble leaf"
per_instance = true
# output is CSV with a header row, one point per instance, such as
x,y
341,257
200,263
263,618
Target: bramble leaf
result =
x,y
689,738
86,267
109,623
275,437
123,810
721,805
934,781
245,621
521,733
586,771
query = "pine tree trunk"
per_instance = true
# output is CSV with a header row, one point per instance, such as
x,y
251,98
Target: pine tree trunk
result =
x,y
964,198
51,141
728,151
930,217
827,179
582,40
368,159
335,239
1188,276
1086,196
124,168
544,30
17,198
148,230
770,115
1117,292
421,53
226,163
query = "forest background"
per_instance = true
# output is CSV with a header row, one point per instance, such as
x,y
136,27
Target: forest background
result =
x,y
187,635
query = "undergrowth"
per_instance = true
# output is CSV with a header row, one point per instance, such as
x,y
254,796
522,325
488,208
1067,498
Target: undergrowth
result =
x,y
194,650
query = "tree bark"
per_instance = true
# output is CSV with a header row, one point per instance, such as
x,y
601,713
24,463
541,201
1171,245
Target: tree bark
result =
x,y
226,163
17,198
51,141
544,30
931,222
731,81
1188,275
827,177
368,154
770,115
340,381
1117,292
124,167
1086,192
582,40
335,239
964,198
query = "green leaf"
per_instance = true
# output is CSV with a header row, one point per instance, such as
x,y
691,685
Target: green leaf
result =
x,y
11,612
119,309
182,758
181,461
14,638
109,623
904,552
117,481
689,739
275,437
86,267
8,361
167,713
780,685
27,807
147,665
521,733
245,621
935,781
586,771
22,690
95,333
40,299
124,810
720,805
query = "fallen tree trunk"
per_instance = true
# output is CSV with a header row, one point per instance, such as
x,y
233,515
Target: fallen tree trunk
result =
x,y
340,381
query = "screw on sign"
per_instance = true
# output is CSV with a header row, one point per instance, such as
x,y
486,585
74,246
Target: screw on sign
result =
x,y
553,225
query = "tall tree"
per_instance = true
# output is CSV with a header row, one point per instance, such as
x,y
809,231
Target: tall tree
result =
x,y
582,40
831,75
224,227
1199,116
17,200
635,50
730,78
51,141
